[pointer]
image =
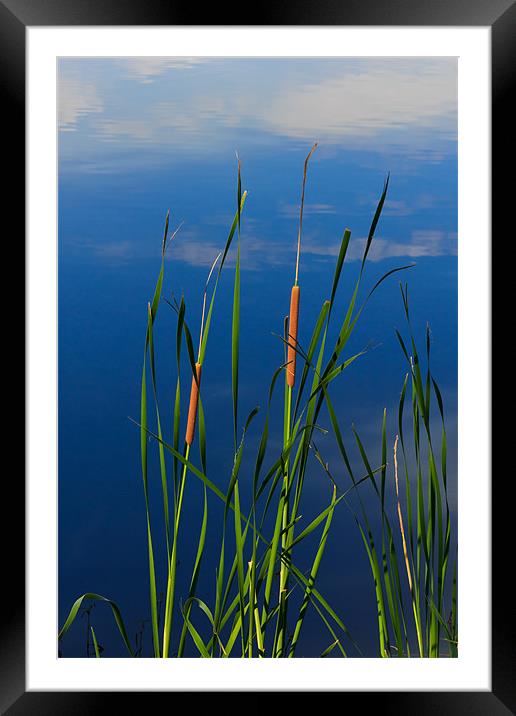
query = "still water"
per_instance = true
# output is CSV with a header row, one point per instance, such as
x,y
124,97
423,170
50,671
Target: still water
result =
x,y
139,136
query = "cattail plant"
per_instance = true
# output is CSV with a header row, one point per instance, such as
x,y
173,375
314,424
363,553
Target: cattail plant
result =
x,y
290,382
196,377
295,293
194,401
189,437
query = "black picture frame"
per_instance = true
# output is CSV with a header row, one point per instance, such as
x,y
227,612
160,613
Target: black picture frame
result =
x,y
500,16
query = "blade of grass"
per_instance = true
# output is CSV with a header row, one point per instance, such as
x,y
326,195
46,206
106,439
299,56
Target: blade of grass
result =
x,y
95,643
313,575
114,608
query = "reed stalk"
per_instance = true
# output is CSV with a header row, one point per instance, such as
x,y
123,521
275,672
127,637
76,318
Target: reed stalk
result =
x,y
290,379
189,438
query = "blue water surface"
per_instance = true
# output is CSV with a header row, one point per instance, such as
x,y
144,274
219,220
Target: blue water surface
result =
x,y
139,136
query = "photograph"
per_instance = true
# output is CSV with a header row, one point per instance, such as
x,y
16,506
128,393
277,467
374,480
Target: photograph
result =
x,y
257,357
258,328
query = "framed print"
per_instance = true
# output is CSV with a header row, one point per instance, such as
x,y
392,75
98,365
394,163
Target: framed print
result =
x,y
216,469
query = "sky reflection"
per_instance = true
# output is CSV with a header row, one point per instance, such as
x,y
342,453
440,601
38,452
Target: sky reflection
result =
x,y
181,103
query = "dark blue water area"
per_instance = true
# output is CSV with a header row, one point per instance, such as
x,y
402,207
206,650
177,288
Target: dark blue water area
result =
x,y
110,236
116,182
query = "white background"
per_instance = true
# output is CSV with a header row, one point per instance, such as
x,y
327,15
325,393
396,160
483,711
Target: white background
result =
x,y
471,671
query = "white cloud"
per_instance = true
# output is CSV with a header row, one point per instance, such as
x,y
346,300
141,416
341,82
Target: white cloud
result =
x,y
291,211
256,253
146,69
363,104
75,100
397,208
422,243
194,253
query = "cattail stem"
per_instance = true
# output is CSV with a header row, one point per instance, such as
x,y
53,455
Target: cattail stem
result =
x,y
171,581
284,507
292,335
189,437
405,554
400,517
312,150
194,401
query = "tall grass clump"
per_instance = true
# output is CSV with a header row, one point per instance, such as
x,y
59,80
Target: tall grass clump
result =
x,y
260,594
416,595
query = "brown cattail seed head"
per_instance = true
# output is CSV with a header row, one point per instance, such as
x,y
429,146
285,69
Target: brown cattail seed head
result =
x,y
292,337
192,410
